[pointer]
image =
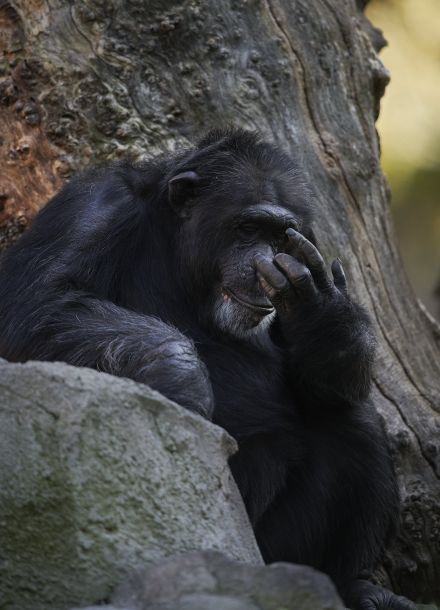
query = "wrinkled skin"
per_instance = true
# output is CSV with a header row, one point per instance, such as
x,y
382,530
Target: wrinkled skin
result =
x,y
293,286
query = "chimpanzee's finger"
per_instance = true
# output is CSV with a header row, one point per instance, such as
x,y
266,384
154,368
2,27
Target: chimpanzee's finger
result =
x,y
312,258
299,276
339,275
271,279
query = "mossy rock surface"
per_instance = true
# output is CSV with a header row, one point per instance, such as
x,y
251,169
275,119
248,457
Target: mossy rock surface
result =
x,y
99,476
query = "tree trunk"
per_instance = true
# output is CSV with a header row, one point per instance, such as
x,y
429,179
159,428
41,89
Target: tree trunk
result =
x,y
90,80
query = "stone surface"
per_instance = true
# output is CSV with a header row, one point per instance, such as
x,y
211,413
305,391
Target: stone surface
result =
x,y
101,607
210,581
100,475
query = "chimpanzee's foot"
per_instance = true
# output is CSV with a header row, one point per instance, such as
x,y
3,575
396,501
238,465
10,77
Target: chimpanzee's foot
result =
x,y
363,595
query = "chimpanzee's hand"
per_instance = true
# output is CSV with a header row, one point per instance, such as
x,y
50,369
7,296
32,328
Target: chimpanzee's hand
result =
x,y
299,285
328,337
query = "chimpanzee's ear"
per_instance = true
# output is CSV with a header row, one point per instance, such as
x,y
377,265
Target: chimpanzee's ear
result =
x,y
181,188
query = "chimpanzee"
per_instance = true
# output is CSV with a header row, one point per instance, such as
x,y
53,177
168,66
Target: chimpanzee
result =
x,y
198,275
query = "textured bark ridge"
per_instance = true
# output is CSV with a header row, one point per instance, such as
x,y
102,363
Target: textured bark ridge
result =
x,y
87,81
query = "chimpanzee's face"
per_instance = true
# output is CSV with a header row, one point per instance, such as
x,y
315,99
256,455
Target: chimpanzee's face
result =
x,y
240,306
222,244
233,210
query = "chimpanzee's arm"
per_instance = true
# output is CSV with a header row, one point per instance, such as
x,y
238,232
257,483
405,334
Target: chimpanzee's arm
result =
x,y
328,339
82,330
55,281
331,357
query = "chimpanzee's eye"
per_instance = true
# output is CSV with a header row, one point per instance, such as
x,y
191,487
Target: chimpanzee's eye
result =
x,y
248,229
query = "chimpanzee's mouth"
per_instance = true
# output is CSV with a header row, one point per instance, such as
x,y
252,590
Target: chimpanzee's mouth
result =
x,y
262,307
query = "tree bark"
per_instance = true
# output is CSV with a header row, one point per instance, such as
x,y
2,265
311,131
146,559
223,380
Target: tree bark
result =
x,y
91,80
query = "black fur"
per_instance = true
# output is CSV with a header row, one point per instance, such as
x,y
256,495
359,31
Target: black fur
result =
x,y
123,271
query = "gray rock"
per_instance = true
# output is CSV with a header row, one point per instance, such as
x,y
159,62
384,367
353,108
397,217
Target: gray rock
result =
x,y
210,581
100,475
101,607
205,601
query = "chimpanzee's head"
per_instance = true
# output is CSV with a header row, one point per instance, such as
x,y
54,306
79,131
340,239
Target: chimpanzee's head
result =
x,y
235,197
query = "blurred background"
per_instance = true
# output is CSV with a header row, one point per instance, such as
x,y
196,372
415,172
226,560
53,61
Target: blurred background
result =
x,y
409,127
